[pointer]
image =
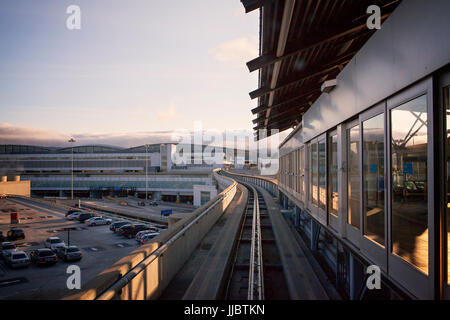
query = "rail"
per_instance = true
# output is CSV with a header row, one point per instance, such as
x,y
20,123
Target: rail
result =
x,y
271,185
256,276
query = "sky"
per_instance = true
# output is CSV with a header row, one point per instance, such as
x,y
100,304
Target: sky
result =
x,y
135,67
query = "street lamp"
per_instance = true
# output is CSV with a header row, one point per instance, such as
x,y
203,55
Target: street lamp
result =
x,y
72,140
146,172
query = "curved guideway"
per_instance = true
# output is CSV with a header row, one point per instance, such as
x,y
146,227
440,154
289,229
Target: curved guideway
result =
x,y
256,271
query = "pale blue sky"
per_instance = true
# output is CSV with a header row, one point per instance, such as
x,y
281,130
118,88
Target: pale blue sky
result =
x,y
135,66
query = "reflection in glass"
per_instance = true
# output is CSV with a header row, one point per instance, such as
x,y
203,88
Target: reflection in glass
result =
x,y
447,110
353,176
332,176
322,175
373,170
409,143
314,172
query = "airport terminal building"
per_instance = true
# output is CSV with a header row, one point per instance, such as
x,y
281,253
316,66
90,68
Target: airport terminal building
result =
x,y
100,170
365,170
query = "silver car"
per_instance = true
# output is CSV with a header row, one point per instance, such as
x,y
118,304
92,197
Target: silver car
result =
x,y
70,253
97,221
17,259
7,247
54,243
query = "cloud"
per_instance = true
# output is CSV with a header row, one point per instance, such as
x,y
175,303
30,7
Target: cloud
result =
x,y
239,50
169,114
12,134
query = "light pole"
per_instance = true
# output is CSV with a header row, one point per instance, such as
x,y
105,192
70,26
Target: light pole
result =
x,y
72,140
146,172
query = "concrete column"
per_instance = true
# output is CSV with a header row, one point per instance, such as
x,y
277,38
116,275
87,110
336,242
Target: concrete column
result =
x,y
285,202
157,195
296,216
315,229
356,277
178,198
61,193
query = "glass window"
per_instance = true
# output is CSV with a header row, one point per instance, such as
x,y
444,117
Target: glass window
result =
x,y
302,170
205,196
332,176
447,110
353,176
314,173
409,142
373,174
322,175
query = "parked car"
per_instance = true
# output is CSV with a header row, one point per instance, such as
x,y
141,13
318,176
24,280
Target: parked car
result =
x,y
3,196
43,256
116,225
84,216
7,247
132,230
15,234
70,253
141,203
97,221
153,203
142,233
2,237
71,211
147,237
74,216
54,243
17,259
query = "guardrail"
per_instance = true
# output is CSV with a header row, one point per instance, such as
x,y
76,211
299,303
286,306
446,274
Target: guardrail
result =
x,y
271,185
147,271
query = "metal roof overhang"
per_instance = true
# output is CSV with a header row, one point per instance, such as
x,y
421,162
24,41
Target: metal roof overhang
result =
x,y
302,44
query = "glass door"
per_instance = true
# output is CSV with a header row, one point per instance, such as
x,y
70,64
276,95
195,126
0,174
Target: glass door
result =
x,y
411,189
333,184
444,89
374,230
322,179
353,179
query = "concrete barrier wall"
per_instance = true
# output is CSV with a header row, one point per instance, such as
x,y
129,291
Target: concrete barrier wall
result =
x,y
222,181
147,271
21,188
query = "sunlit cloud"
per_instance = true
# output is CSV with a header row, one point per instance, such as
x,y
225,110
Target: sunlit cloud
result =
x,y
239,50
169,114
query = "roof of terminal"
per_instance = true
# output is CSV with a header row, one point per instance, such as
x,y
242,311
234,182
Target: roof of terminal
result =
x,y
302,44
29,149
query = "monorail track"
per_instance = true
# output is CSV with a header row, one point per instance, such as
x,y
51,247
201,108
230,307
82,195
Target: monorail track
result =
x,y
256,271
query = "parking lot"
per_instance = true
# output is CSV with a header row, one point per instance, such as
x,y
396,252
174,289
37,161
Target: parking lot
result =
x,y
100,248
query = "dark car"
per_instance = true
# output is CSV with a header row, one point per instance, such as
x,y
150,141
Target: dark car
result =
x,y
116,225
15,234
84,216
141,203
132,230
69,212
43,257
70,253
153,203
